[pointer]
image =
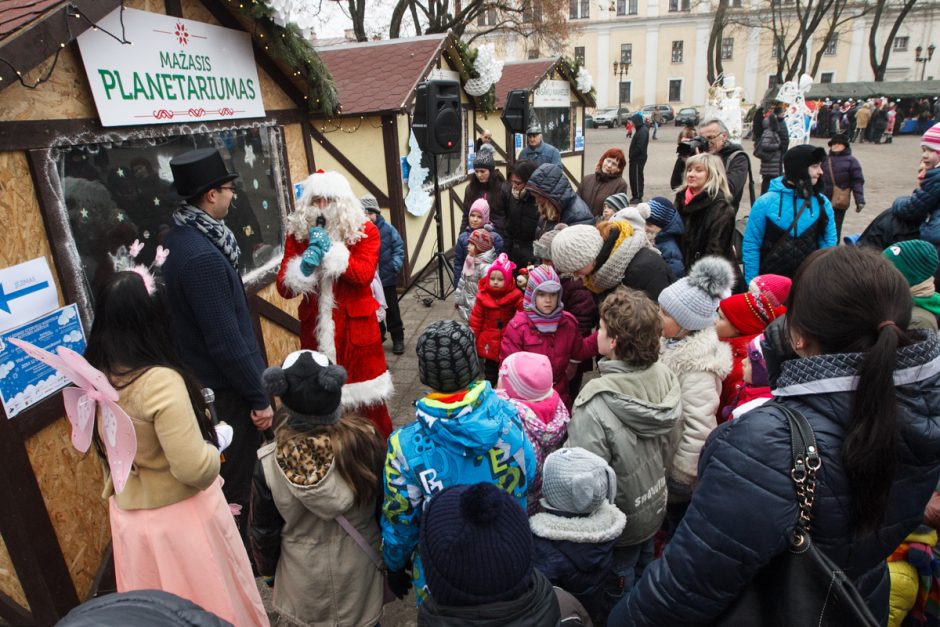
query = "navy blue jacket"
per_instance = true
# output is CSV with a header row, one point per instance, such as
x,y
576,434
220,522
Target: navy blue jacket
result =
x,y
577,567
391,254
209,317
667,242
550,182
924,203
744,508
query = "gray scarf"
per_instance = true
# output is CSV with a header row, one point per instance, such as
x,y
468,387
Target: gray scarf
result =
x,y
214,230
611,273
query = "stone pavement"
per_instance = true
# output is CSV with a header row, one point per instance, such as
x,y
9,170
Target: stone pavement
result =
x,y
890,171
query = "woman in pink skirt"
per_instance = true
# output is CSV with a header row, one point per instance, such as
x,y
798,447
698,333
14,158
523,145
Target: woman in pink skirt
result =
x,y
171,527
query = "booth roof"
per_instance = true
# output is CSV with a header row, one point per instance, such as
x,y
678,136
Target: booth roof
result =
x,y
379,76
15,14
873,89
522,75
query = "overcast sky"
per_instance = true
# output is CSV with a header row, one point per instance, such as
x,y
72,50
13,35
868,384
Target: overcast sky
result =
x,y
334,18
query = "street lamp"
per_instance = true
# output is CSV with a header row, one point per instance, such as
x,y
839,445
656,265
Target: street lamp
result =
x,y
918,59
621,70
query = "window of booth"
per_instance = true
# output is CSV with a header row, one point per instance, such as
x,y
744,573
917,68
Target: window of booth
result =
x,y
557,126
116,192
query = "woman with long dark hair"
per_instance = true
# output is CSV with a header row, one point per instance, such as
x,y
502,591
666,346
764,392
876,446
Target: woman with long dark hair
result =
x,y
486,183
522,215
870,390
171,527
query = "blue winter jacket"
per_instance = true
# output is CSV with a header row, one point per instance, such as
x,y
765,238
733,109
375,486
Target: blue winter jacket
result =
x,y
479,439
543,153
744,508
460,250
780,205
923,207
391,254
549,181
667,242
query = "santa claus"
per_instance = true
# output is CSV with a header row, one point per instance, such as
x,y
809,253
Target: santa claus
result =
x,y
330,258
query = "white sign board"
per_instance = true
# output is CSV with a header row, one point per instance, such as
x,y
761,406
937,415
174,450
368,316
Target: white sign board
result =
x,y
440,74
27,291
552,94
175,71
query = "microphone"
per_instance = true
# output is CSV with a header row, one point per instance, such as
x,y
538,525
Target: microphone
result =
x,y
321,222
209,397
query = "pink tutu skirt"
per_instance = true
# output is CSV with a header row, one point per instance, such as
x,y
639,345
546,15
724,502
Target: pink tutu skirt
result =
x,y
192,549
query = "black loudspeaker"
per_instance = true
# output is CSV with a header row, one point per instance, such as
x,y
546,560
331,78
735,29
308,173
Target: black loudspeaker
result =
x,y
436,122
516,112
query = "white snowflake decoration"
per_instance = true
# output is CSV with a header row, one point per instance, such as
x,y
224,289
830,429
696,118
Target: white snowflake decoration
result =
x,y
302,13
723,102
584,80
488,67
250,155
418,201
798,116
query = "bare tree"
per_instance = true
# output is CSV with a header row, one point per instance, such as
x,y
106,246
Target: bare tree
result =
x,y
715,67
903,7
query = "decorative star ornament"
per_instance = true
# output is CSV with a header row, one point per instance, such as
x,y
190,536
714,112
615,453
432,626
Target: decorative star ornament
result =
x,y
84,213
156,201
120,172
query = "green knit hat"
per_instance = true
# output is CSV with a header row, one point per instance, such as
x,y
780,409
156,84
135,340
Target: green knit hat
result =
x,y
916,259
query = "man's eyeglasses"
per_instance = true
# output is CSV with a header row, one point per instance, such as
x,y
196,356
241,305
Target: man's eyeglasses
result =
x,y
230,188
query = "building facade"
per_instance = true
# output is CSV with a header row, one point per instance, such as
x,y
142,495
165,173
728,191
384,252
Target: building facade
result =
x,y
664,45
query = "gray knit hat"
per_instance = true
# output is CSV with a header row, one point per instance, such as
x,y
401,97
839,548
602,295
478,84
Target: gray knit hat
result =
x,y
576,481
310,387
617,201
485,158
447,356
370,204
542,247
693,300
576,247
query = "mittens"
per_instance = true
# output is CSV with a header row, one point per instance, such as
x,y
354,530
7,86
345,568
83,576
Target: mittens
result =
x,y
224,434
318,246
399,581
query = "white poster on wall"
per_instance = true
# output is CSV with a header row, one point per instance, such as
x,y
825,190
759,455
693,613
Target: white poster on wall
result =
x,y
173,71
552,94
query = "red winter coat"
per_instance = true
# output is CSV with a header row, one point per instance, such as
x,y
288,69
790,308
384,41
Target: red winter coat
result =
x,y
561,347
732,383
492,311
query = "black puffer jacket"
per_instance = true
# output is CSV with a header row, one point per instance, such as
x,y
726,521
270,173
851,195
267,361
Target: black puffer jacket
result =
x,y
141,608
727,536
522,221
537,607
709,228
549,181
738,169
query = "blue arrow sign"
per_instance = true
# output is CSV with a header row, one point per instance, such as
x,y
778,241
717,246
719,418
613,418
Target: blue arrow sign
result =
x,y
6,298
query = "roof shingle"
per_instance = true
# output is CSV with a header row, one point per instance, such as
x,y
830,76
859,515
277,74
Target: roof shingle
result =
x,y
521,75
14,14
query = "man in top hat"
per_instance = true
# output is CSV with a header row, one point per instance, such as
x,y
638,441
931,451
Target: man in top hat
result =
x,y
209,312
330,258
536,150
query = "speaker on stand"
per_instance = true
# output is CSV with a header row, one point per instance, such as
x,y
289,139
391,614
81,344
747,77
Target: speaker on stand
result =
x,y
437,125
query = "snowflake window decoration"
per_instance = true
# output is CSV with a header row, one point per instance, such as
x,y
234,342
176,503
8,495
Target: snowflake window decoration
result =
x,y
418,201
490,70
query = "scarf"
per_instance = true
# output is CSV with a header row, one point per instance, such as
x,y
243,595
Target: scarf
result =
x,y
689,195
214,230
926,297
540,278
610,274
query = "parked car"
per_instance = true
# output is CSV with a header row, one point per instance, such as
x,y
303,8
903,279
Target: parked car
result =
x,y
687,116
611,116
589,121
666,111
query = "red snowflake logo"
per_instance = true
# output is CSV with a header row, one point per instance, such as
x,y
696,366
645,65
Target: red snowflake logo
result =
x,y
182,35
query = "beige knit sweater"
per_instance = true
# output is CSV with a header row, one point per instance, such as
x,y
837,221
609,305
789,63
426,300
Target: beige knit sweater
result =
x,y
173,461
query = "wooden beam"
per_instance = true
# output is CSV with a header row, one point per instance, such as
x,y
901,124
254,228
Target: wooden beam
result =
x,y
278,316
41,40
173,8
308,146
36,418
396,192
28,533
349,166
13,613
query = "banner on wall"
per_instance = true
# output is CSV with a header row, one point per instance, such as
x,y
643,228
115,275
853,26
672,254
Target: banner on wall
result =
x,y
174,71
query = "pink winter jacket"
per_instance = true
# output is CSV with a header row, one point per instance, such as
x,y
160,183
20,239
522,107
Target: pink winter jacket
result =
x,y
561,347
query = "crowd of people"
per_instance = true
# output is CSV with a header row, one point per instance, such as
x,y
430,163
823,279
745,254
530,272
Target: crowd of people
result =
x,y
653,493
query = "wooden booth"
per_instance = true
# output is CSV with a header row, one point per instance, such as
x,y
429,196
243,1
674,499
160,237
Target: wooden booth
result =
x,y
85,144
555,103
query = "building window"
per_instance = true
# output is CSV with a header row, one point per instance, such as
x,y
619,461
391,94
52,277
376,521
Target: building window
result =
x,y
772,81
775,50
625,90
626,54
579,54
825,77
736,4
677,51
487,17
831,46
900,43
531,11
675,90
533,53
727,48
679,5
579,9
627,7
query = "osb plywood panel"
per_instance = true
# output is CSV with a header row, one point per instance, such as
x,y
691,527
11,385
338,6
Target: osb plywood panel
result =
x,y
294,141
64,96
71,484
278,342
153,6
9,583
22,234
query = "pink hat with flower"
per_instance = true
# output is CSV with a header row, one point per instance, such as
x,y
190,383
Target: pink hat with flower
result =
x,y
503,265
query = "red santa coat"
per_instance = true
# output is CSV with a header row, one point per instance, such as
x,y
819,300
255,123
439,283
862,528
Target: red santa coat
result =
x,y
350,336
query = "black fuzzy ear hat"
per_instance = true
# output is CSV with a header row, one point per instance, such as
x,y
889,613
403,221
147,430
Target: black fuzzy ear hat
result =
x,y
309,386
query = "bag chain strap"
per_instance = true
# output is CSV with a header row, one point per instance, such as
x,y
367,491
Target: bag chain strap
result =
x,y
806,463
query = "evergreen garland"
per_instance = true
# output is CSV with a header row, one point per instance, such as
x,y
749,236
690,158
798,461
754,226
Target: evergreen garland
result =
x,y
288,44
572,66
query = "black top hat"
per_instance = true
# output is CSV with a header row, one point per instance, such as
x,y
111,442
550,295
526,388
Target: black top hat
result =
x,y
198,171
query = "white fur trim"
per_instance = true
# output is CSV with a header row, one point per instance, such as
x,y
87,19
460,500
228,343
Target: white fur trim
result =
x,y
296,281
700,351
326,327
754,403
335,261
370,392
603,525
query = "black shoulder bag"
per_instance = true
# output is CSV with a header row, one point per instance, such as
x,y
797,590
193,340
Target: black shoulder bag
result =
x,y
801,586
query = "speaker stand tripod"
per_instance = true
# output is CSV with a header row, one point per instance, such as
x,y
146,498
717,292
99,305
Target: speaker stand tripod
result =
x,y
445,275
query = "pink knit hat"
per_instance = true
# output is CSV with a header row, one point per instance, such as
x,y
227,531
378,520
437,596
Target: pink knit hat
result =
x,y
482,207
502,265
526,376
931,138
773,286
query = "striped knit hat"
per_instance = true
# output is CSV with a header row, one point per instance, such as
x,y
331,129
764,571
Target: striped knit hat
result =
x,y
931,138
662,211
915,259
543,279
526,376
617,201
482,239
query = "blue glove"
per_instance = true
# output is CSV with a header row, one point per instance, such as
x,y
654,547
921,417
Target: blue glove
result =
x,y
313,256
